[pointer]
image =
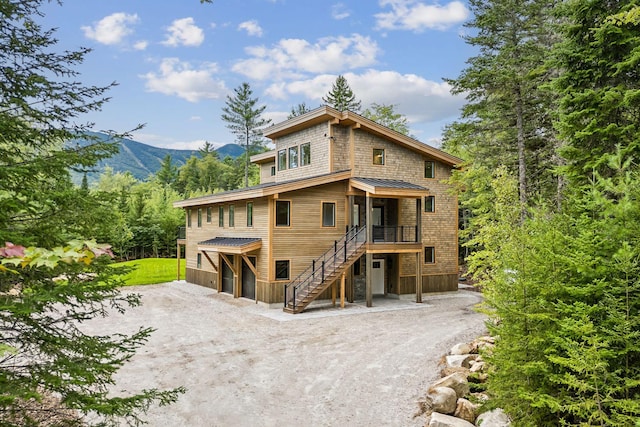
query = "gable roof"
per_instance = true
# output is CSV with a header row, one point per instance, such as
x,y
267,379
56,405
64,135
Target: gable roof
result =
x,y
348,118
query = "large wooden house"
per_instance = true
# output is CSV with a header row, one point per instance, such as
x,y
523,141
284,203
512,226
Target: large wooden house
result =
x,y
345,208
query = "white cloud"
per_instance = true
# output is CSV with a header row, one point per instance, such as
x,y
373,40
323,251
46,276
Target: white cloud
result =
x,y
140,45
420,100
251,27
180,79
291,58
184,32
417,16
112,29
339,11
195,118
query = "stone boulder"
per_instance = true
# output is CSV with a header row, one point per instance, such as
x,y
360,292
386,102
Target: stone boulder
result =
x,y
494,418
460,360
456,381
443,399
441,420
461,348
466,410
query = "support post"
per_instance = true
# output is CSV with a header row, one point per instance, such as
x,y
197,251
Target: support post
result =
x,y
342,289
333,293
369,287
178,261
418,277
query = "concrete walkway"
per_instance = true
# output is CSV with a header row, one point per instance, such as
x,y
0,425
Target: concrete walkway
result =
x,y
247,365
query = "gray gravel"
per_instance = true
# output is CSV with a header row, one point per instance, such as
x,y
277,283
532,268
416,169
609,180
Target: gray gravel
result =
x,y
247,365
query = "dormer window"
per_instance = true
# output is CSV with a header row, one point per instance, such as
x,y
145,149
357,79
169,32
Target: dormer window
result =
x,y
378,156
305,154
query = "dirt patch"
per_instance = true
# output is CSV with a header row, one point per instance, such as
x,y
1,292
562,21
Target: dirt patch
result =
x,y
246,365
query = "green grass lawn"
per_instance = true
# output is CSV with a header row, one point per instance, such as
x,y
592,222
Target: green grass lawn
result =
x,y
149,271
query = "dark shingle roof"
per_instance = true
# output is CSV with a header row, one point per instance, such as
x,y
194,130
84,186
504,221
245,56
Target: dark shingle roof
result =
x,y
230,241
389,183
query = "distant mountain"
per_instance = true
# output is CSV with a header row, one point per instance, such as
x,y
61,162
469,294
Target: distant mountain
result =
x,y
142,160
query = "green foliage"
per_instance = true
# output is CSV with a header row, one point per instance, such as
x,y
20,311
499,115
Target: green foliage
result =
x,y
341,97
245,121
386,116
40,102
599,86
564,294
150,271
298,110
508,119
45,296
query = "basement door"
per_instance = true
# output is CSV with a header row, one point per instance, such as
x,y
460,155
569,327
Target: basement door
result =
x,y
227,277
248,279
377,277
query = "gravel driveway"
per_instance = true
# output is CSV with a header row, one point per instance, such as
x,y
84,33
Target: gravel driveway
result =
x,y
247,365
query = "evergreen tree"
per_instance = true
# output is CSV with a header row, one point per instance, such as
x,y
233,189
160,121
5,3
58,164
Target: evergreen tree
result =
x,y
599,85
507,119
244,120
341,97
387,116
46,294
168,173
298,110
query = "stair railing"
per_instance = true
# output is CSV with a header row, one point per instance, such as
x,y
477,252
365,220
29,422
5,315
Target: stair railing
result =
x,y
324,266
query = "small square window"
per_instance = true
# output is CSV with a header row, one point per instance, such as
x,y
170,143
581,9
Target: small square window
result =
x,y
209,214
199,217
328,214
429,255
232,216
282,270
249,214
305,154
273,171
378,156
293,157
282,160
429,169
199,261
430,204
221,216
283,208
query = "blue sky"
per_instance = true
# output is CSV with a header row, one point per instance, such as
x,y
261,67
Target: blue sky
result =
x,y
176,61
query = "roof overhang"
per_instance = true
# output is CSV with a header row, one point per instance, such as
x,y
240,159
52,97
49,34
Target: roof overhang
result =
x,y
264,190
230,245
389,188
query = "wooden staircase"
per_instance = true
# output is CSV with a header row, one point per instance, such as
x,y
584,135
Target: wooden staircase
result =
x,y
324,270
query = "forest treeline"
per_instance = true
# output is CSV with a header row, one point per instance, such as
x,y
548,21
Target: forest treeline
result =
x,y
550,135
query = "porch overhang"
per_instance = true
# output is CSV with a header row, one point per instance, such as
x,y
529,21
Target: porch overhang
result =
x,y
389,188
230,245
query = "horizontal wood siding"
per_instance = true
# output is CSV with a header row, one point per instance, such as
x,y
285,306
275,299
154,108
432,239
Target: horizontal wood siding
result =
x,y
305,239
434,283
204,278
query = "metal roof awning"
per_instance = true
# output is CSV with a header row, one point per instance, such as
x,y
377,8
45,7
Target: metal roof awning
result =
x,y
231,245
389,187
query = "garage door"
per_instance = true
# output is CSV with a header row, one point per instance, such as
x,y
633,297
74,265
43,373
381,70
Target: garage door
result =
x,y
248,279
227,277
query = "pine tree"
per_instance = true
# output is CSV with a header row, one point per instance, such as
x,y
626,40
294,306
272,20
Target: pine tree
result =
x,y
341,97
600,84
46,293
506,119
298,110
245,122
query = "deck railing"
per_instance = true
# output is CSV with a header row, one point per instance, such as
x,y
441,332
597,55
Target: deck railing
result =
x,y
325,265
394,234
